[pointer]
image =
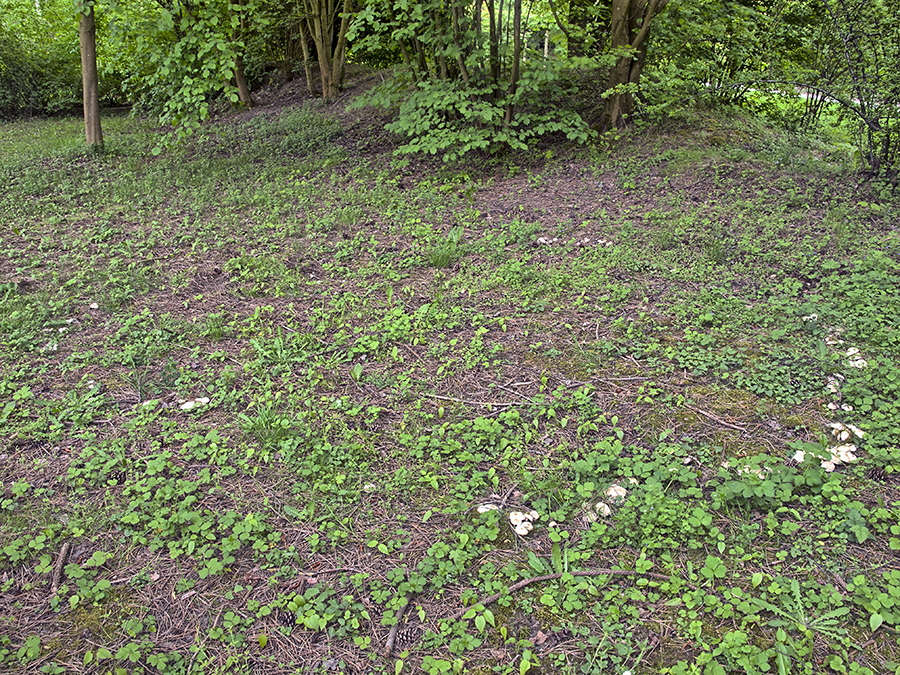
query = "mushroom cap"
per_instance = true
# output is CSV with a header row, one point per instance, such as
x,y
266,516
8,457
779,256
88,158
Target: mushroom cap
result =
x,y
616,492
524,527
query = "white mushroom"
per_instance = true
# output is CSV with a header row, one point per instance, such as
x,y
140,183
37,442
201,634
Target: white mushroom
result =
x,y
843,454
524,528
616,492
517,518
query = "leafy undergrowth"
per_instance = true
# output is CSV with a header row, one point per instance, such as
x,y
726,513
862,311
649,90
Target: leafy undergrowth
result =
x,y
273,403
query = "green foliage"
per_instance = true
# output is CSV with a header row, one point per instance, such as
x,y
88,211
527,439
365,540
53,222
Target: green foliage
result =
x,y
706,52
40,68
472,91
17,75
452,119
321,609
39,72
182,56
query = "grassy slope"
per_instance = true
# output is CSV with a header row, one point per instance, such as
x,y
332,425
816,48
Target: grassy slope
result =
x,y
385,348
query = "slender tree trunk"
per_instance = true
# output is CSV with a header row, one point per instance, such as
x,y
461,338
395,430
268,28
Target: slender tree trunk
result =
x,y
241,81
629,29
90,82
421,60
461,53
407,61
516,60
439,56
476,20
321,19
493,43
287,68
307,59
340,48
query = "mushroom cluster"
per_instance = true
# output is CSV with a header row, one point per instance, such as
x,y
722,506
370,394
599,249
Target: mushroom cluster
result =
x,y
841,454
854,359
523,522
194,402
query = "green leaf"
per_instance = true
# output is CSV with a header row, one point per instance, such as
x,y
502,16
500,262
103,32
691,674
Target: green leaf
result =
x,y
489,615
526,662
103,653
642,564
875,621
293,512
536,563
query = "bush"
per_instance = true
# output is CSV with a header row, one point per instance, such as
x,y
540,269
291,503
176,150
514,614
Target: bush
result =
x,y
451,118
17,78
37,79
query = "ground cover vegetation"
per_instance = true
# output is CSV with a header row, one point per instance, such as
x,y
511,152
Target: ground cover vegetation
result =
x,y
279,400
282,392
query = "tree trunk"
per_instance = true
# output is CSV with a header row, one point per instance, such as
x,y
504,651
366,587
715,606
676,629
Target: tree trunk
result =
x,y
629,29
516,61
493,43
87,37
241,81
461,53
307,59
340,49
321,20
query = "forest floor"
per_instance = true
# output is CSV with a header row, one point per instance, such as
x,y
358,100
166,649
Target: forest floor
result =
x,y
277,401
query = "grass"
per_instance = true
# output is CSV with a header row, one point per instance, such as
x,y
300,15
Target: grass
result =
x,y
268,397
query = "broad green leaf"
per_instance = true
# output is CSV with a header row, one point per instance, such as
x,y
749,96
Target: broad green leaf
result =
x,y
875,621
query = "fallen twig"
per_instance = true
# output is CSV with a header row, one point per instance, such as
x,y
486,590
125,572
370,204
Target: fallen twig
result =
x,y
60,564
487,404
392,636
715,419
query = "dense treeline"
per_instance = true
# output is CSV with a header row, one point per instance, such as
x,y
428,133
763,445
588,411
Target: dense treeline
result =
x,y
478,74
